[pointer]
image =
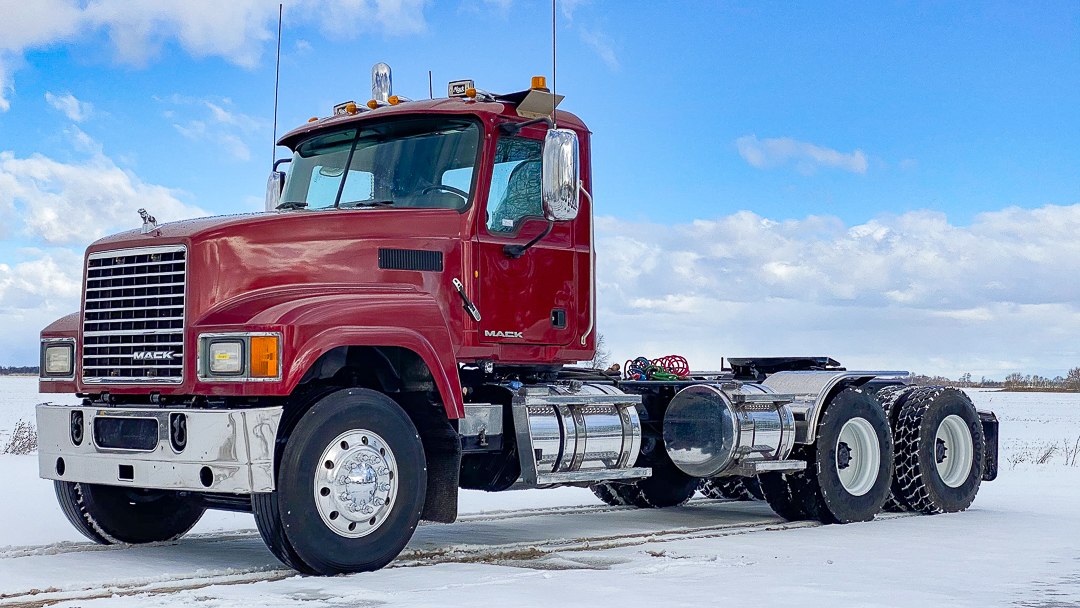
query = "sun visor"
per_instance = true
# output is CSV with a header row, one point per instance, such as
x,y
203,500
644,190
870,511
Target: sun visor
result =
x,y
532,103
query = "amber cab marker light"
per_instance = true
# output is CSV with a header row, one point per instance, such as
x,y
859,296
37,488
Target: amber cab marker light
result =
x,y
264,356
470,93
350,108
393,100
313,119
372,104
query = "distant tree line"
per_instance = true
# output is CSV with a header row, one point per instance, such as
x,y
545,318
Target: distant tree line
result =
x,y
8,371
1014,381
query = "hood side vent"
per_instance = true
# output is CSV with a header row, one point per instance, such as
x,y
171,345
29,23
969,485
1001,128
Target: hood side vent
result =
x,y
410,259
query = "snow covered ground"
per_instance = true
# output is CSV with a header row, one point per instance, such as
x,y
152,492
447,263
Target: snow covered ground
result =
x,y
1019,545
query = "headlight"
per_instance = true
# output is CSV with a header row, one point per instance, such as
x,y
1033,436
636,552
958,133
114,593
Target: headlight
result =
x,y
227,357
58,359
240,356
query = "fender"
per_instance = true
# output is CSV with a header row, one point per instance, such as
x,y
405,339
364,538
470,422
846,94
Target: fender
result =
x,y
812,391
315,323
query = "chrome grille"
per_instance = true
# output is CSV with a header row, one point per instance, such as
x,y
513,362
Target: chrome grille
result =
x,y
133,316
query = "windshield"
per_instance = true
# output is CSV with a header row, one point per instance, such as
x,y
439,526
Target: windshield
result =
x,y
405,163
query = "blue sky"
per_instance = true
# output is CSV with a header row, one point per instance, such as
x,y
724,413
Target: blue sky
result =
x,y
861,112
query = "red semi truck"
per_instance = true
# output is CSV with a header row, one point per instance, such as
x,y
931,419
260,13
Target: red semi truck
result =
x,y
404,321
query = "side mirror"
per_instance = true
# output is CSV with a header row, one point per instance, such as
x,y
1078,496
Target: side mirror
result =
x,y
274,185
560,173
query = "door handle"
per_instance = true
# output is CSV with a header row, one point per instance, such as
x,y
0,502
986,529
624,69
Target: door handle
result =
x,y
468,305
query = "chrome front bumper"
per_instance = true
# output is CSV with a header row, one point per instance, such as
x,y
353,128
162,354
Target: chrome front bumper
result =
x,y
227,451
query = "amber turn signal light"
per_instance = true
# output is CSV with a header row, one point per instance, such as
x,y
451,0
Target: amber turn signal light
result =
x,y
264,356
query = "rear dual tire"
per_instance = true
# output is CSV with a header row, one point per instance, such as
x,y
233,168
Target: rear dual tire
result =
x,y
732,488
849,467
667,487
939,451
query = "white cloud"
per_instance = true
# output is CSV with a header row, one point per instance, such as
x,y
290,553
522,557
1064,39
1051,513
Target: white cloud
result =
x,y
222,125
568,7
910,291
808,157
76,203
74,109
51,277
33,294
235,30
602,44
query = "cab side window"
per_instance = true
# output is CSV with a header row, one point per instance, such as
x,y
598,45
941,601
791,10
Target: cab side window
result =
x,y
515,184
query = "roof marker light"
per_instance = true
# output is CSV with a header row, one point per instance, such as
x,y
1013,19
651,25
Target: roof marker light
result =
x,y
313,119
349,107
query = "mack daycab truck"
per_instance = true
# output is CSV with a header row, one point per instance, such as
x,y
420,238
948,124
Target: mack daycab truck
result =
x,y
405,320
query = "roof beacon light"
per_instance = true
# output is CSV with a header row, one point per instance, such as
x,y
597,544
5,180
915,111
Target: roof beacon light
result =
x,y
382,86
539,83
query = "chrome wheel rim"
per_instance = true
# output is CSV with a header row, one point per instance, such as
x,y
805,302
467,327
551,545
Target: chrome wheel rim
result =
x,y
858,456
356,483
953,451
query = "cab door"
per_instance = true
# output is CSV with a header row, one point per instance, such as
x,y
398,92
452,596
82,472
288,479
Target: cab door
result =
x,y
527,299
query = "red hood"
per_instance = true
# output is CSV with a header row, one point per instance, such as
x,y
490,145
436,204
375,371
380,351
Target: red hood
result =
x,y
236,255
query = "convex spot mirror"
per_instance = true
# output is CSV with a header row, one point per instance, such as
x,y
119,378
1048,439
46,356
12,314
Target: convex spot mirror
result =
x,y
560,171
274,186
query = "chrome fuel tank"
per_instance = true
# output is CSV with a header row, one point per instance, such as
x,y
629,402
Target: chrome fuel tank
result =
x,y
717,429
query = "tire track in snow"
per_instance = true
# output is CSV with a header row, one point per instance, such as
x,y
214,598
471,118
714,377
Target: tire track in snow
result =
x,y
499,554
211,537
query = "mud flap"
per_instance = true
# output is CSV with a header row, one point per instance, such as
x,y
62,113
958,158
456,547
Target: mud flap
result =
x,y
990,457
442,449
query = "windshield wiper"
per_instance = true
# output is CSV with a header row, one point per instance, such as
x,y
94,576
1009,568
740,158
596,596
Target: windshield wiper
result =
x,y
368,204
290,205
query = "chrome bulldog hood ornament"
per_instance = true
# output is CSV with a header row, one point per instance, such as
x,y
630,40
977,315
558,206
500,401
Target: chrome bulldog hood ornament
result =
x,y
149,224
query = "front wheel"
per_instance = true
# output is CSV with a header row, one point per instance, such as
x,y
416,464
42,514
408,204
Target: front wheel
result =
x,y
350,487
114,514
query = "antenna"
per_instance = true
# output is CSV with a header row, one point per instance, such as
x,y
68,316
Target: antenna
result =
x,y
277,77
553,97
430,91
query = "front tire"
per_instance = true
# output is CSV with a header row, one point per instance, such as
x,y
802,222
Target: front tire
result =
x,y
109,515
350,487
849,467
